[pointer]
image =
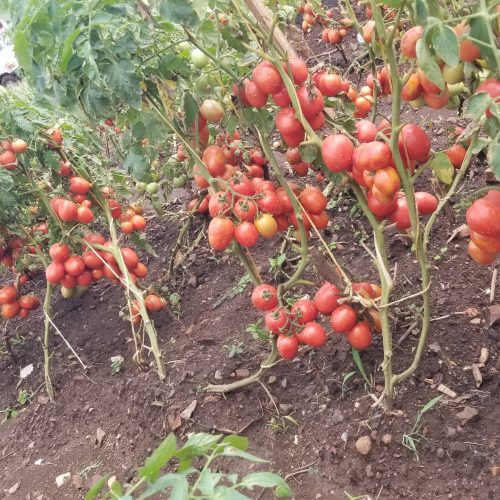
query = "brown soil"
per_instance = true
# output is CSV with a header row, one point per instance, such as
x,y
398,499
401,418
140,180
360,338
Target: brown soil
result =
x,y
134,408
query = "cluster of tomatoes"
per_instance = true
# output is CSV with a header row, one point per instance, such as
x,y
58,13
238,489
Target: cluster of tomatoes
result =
x,y
298,324
371,165
10,150
483,218
12,305
72,271
153,304
133,219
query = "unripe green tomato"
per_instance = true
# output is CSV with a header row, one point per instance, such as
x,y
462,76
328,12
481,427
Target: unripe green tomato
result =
x,y
152,187
180,181
183,46
141,187
199,59
458,88
154,176
81,290
202,86
68,293
453,75
417,103
453,102
227,101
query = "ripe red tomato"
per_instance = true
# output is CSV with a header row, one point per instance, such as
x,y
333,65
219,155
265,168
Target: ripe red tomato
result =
x,y
426,203
387,180
326,298
270,202
330,84
366,131
267,78
220,233
364,289
281,98
412,88
480,256
67,211
8,159
317,121
436,101
214,160
428,85
246,234
255,171
492,87
130,258
74,265
282,222
343,318
59,252
219,203
313,200
154,303
409,41
277,321
313,334
483,217
372,156
10,310
139,222
253,95
95,238
79,185
245,209
288,347
381,210
360,336
116,209
456,155
301,169
337,151
8,294
56,135
320,220
311,100
92,260
292,156
84,279
401,215
469,51
84,215
490,244
414,143
264,297
68,281
55,272
127,227
304,311
286,204
287,123
266,225
299,71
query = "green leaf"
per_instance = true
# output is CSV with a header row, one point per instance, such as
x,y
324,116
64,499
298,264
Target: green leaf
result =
x,y
178,12
232,40
428,64
22,49
173,64
421,11
234,452
178,483
67,50
159,458
479,30
198,443
207,481
95,490
225,493
359,365
308,153
136,163
190,109
494,157
120,77
239,442
477,105
141,241
208,33
445,43
260,119
428,406
266,480
442,167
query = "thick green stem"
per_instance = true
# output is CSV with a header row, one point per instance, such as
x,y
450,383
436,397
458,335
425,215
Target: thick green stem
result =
x,y
46,353
248,263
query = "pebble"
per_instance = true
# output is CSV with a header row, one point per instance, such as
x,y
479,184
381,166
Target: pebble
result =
x,y
387,439
242,373
440,453
218,375
369,472
364,445
272,379
337,416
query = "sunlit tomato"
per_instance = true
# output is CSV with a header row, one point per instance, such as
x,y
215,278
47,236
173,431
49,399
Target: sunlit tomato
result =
x,y
79,185
363,104
211,110
409,41
330,84
304,311
266,225
469,51
286,204
254,97
127,227
214,160
381,210
74,265
154,303
480,256
436,101
264,297
281,98
139,222
59,252
317,121
412,88
220,233
55,272
8,294
313,200
255,171
313,334
337,151
366,131
219,204
299,71
246,234
414,143
326,298
277,321
288,347
84,215
387,180
401,215
270,202
10,310
334,36
483,217
360,336
115,208
343,318
267,78
311,100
